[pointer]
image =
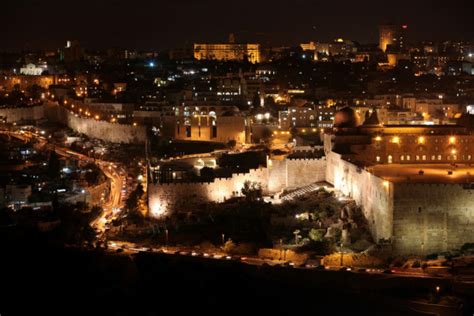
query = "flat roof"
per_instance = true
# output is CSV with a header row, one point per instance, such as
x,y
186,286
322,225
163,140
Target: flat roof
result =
x,y
432,173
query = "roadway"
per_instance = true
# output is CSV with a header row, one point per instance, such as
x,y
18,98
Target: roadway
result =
x,y
114,203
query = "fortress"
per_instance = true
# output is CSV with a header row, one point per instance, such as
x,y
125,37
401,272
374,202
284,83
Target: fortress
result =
x,y
419,205
414,184
165,197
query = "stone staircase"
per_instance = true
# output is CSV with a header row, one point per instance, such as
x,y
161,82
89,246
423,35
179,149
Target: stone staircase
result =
x,y
299,192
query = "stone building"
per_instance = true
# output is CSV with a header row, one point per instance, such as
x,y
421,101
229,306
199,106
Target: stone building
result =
x,y
413,184
228,51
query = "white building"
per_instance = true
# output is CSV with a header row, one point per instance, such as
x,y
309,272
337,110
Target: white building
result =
x,y
33,70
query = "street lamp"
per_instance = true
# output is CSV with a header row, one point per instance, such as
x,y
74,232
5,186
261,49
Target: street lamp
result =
x,y
281,248
342,255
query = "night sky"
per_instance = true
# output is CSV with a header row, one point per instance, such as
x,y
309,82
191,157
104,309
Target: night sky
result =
x,y
159,24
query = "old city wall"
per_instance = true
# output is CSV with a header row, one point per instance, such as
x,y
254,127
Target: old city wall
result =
x,y
371,193
301,172
184,197
277,175
432,218
32,113
171,197
111,132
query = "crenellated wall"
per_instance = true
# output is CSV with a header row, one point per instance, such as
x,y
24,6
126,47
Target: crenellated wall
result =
x,y
111,132
32,113
164,198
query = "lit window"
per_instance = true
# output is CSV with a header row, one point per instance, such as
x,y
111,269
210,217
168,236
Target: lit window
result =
x,y
468,157
417,157
439,157
423,157
433,157
389,159
377,158
396,140
421,140
452,140
408,157
402,157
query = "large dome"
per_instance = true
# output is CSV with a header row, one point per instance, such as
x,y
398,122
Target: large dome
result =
x,y
346,118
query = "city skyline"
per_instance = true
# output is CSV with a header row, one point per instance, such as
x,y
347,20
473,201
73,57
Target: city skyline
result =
x,y
162,25
237,157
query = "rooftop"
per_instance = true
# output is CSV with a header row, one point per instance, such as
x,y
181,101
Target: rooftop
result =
x,y
431,173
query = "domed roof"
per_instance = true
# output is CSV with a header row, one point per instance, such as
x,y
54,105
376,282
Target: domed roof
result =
x,y
346,118
373,119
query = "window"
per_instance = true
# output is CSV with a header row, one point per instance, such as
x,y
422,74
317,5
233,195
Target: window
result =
x,y
389,159
433,157
423,157
402,158
377,158
468,157
417,157
408,157
439,157
214,131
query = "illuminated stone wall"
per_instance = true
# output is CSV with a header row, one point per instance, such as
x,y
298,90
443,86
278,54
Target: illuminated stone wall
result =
x,y
111,132
371,193
432,218
301,172
24,81
164,198
183,197
18,114
420,219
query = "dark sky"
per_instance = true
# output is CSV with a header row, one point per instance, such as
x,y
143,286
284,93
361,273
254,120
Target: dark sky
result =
x,y
142,24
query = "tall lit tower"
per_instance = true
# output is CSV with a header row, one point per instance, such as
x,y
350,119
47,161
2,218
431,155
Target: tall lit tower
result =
x,y
388,35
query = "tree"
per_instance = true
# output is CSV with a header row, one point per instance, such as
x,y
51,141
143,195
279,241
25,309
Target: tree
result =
x,y
252,191
231,144
35,91
297,235
316,234
92,177
293,131
53,166
267,135
132,203
207,173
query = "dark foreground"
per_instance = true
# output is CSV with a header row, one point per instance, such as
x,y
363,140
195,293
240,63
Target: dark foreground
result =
x,y
46,279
